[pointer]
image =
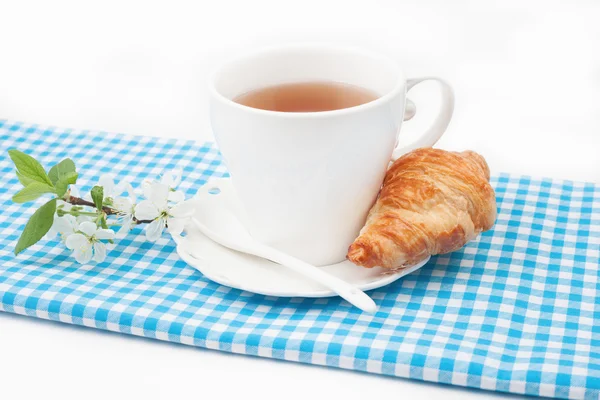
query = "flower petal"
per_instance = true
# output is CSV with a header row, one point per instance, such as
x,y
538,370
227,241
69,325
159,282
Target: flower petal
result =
x,y
167,179
123,204
147,187
99,252
72,224
175,225
53,231
108,183
83,254
176,196
130,192
159,193
83,218
64,236
126,225
61,225
171,178
76,241
105,234
146,210
155,229
177,177
184,209
120,188
88,227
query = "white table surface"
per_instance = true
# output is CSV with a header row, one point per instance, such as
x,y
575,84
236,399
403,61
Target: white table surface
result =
x,y
527,82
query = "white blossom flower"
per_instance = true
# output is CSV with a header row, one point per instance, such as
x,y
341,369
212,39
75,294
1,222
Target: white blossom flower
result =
x,y
67,224
86,243
171,179
125,207
63,227
156,208
112,190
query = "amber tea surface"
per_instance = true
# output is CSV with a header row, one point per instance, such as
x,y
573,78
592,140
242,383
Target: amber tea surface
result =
x,y
306,97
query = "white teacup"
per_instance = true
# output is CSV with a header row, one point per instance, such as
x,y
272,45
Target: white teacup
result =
x,y
308,179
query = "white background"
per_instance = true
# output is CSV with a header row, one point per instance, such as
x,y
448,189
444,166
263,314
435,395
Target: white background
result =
x,y
527,83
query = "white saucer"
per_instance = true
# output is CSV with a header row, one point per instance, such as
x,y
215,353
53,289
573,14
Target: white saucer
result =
x,y
257,275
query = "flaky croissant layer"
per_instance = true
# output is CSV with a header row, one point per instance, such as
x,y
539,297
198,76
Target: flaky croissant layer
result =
x,y
432,202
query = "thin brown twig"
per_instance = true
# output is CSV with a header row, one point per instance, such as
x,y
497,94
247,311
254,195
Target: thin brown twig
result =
x,y
78,201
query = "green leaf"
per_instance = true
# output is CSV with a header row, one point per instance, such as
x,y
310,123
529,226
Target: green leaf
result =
x,y
29,167
103,223
62,170
62,175
97,195
23,179
32,192
37,226
63,183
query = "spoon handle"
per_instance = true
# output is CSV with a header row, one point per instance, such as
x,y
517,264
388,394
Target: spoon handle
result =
x,y
347,291
352,294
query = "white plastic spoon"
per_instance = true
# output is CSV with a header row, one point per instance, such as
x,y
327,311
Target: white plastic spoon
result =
x,y
223,227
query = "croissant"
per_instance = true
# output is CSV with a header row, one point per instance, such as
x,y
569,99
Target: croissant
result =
x,y
432,202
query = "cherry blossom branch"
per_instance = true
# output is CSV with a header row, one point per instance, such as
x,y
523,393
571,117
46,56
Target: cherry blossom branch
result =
x,y
78,201
83,225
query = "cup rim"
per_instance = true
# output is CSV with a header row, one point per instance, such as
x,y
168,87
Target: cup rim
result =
x,y
399,86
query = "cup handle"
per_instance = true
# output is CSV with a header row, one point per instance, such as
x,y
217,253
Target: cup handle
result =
x,y
410,109
435,132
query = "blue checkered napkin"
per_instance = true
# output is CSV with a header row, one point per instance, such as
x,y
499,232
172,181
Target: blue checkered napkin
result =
x,y
517,310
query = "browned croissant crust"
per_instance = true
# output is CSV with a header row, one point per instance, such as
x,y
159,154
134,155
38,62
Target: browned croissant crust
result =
x,y
432,202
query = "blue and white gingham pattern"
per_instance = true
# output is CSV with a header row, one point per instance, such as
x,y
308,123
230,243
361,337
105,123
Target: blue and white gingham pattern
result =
x,y
517,310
